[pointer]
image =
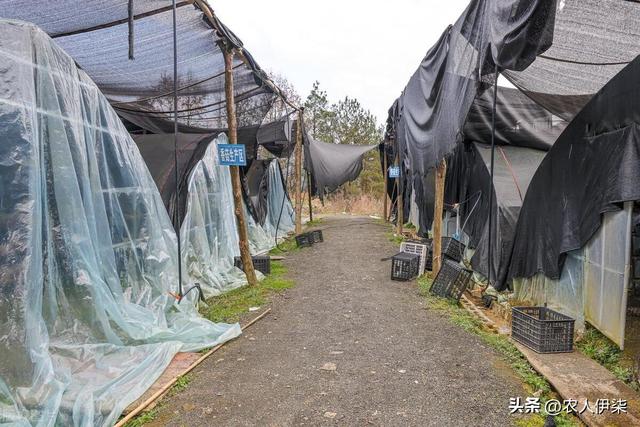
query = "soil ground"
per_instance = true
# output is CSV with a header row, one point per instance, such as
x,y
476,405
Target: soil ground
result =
x,y
348,346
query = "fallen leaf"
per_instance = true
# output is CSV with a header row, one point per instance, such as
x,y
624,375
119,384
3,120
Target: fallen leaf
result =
x,y
329,366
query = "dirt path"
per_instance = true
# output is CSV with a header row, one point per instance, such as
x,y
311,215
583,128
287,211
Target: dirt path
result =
x,y
395,362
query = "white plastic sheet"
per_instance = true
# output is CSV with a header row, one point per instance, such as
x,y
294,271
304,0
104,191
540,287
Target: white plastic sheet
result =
x,y
89,254
594,280
208,232
280,213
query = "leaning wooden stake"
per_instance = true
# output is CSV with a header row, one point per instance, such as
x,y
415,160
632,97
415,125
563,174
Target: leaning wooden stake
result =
x,y
441,172
400,203
232,123
298,173
385,197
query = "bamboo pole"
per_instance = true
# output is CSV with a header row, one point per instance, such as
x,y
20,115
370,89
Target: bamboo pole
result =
x,y
441,172
298,173
232,123
385,172
400,204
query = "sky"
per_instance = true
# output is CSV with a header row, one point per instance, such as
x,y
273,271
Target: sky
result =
x,y
357,48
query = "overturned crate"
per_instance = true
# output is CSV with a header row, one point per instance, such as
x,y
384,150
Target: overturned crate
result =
x,y
404,266
542,330
420,248
262,263
304,240
316,236
452,280
453,248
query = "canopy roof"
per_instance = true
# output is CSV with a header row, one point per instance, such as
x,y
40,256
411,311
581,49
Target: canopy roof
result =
x,y
592,41
592,168
558,53
468,184
97,33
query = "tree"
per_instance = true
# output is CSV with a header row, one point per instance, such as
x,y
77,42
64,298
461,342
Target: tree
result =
x,y
189,104
347,122
318,114
352,124
280,108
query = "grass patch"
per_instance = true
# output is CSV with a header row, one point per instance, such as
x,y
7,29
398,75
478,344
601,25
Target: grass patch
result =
x,y
598,347
394,238
314,222
287,245
534,382
150,415
229,306
181,384
143,418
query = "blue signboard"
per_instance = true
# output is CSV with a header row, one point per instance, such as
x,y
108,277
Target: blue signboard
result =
x,y
394,172
232,155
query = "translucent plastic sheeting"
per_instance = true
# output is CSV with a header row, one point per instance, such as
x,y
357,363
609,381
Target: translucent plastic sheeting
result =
x,y
260,241
414,214
564,294
89,255
594,280
606,274
209,234
280,213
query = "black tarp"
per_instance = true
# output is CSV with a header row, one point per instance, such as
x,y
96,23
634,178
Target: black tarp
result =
x,y
519,121
256,186
429,116
468,184
332,165
592,168
592,41
158,154
255,179
503,33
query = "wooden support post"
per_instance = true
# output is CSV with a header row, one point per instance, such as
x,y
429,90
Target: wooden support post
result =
x,y
400,203
309,194
298,173
441,173
232,124
385,196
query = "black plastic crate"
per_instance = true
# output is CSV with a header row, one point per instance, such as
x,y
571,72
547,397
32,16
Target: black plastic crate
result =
x,y
262,263
304,240
542,330
316,236
635,245
452,280
404,266
453,248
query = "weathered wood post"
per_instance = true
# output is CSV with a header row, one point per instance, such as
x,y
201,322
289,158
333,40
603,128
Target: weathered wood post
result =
x,y
298,173
385,173
232,124
441,172
400,203
309,194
